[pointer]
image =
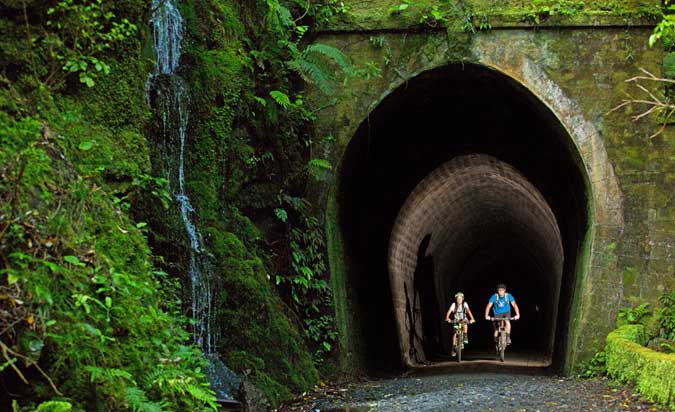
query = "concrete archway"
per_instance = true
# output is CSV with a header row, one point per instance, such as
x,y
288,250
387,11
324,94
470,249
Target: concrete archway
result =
x,y
521,199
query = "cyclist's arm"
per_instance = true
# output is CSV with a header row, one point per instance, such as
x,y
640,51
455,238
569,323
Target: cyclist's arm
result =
x,y
487,310
515,306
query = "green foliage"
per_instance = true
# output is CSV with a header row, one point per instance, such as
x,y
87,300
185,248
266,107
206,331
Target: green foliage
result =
x,y
665,29
66,38
319,169
318,64
634,315
72,291
248,140
88,303
305,279
668,347
595,367
85,31
455,16
543,9
267,347
666,316
313,63
669,65
54,406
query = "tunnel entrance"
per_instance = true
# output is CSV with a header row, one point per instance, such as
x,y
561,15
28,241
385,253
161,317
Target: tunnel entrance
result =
x,y
460,178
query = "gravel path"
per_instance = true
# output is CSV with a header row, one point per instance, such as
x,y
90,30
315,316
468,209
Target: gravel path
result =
x,y
473,392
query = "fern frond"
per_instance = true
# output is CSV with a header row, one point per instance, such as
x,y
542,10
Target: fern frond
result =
x,y
139,402
202,394
332,53
109,375
315,74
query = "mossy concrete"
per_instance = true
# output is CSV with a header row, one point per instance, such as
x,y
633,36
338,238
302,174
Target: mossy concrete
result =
x,y
579,74
397,15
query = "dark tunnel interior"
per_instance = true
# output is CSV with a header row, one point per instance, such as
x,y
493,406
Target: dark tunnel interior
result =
x,y
483,226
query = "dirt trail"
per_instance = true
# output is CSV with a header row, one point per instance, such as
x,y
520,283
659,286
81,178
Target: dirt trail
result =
x,y
473,389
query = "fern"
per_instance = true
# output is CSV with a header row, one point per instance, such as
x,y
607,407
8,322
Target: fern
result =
x,y
139,402
111,375
314,74
319,169
108,374
169,381
202,394
315,65
332,53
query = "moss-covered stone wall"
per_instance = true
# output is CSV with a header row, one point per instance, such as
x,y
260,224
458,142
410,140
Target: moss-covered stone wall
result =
x,y
579,74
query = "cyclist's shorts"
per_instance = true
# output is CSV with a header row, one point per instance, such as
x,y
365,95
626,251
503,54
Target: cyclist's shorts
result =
x,y
502,316
457,319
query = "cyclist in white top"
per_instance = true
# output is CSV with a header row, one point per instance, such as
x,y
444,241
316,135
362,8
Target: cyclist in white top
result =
x,y
459,309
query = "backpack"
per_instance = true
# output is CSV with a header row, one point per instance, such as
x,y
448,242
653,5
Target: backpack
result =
x,y
506,295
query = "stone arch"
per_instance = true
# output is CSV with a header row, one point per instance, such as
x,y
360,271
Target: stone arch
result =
x,y
586,151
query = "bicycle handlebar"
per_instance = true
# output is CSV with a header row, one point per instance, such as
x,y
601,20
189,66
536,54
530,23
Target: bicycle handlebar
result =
x,y
497,319
456,323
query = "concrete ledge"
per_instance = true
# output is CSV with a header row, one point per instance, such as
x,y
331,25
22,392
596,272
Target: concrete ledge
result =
x,y
652,372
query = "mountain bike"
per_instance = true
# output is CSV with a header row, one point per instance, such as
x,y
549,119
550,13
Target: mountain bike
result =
x,y
501,337
458,325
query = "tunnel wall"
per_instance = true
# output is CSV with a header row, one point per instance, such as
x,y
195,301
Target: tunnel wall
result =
x,y
578,74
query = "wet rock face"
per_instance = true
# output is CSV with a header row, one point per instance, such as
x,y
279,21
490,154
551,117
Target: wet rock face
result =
x,y
252,399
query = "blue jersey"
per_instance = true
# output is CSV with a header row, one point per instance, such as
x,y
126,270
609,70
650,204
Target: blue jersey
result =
x,y
501,305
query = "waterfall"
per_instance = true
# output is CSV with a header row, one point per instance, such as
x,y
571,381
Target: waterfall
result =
x,y
170,103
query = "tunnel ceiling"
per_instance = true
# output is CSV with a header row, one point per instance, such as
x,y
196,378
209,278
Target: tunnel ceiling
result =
x,y
438,116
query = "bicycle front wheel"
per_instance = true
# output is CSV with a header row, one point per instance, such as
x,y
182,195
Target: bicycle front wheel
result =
x,y
460,346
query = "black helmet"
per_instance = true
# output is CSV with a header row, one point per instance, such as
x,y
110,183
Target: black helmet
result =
x,y
501,286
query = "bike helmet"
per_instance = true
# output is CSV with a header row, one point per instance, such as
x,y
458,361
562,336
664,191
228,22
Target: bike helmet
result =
x,y
501,286
459,294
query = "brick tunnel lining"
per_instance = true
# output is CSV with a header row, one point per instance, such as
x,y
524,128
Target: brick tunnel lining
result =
x,y
436,116
460,208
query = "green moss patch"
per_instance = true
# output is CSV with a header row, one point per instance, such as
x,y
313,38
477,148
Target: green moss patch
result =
x,y
628,361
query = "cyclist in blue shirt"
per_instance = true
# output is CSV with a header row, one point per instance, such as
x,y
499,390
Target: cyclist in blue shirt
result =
x,y
501,303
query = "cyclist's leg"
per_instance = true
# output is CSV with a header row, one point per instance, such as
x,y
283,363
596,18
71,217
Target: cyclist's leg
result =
x,y
466,333
508,332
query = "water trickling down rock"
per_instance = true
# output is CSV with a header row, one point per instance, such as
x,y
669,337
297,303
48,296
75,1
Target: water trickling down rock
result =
x,y
171,104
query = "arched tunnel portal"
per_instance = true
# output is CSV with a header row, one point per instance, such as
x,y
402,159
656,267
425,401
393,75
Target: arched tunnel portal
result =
x,y
459,179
